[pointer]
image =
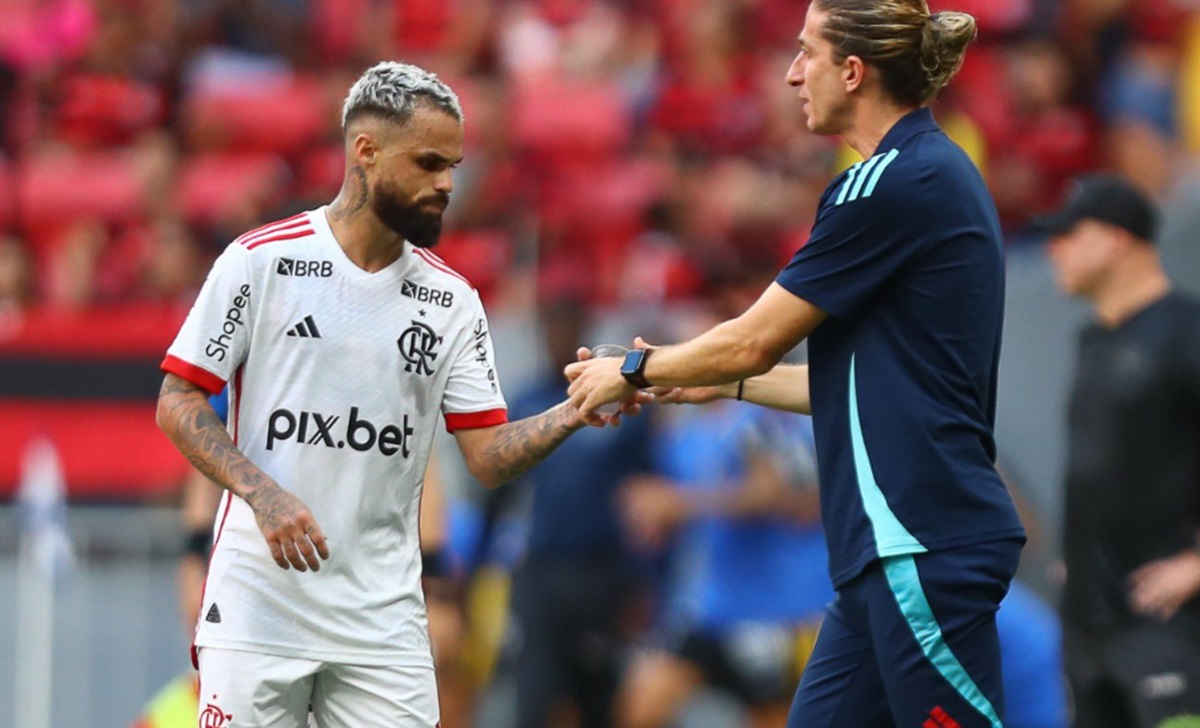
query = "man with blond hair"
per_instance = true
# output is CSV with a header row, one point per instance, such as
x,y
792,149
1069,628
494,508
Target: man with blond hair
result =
x,y
900,293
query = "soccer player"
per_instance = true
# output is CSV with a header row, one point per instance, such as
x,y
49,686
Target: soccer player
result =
x,y
901,288
342,338
1131,602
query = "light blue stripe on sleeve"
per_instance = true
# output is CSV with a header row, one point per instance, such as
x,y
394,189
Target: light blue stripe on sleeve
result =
x,y
849,181
905,581
862,177
879,171
891,537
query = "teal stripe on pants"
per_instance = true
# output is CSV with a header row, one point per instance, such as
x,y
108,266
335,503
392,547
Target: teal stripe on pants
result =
x,y
902,576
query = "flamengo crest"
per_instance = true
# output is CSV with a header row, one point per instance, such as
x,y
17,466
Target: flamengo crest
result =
x,y
417,345
214,717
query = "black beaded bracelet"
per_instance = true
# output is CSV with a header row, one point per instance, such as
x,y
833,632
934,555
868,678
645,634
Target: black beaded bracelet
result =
x,y
741,385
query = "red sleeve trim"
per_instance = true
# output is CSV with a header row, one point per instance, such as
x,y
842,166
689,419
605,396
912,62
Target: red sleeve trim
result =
x,y
475,420
202,378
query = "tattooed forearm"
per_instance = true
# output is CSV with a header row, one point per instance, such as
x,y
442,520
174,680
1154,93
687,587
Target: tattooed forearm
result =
x,y
294,538
354,195
187,418
518,446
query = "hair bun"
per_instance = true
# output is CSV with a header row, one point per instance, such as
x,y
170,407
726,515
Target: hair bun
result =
x,y
944,44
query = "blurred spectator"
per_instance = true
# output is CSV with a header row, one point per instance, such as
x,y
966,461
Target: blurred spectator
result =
x,y
16,275
1045,138
737,499
177,704
573,590
586,112
1130,606
1035,688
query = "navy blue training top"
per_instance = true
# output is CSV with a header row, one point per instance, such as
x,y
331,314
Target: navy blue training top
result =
x,y
906,258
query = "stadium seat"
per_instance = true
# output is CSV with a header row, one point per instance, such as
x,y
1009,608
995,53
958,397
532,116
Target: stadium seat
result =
x,y
213,186
60,186
281,119
480,256
556,118
107,109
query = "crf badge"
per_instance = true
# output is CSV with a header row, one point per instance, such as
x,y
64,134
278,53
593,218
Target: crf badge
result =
x,y
214,717
417,345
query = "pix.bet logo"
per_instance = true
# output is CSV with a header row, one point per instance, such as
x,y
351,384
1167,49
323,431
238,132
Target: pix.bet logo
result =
x,y
315,428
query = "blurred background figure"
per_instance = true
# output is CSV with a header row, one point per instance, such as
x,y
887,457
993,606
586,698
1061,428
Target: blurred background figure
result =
x,y
735,500
178,702
575,585
1132,533
1035,689
733,511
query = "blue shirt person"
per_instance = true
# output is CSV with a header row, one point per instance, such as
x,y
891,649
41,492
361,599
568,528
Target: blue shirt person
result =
x,y
742,567
574,581
900,294
735,499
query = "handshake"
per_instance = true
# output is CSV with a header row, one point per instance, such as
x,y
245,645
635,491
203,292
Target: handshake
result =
x,y
602,384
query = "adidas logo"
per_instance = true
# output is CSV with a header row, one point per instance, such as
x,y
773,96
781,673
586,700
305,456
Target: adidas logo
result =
x,y
939,718
306,329
214,614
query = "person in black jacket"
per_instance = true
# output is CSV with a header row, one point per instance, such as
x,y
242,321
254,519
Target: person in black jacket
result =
x,y
1130,608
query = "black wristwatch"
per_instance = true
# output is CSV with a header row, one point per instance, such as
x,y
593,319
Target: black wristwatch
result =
x,y
634,367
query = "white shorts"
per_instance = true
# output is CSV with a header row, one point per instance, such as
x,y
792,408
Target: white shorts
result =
x,y
252,690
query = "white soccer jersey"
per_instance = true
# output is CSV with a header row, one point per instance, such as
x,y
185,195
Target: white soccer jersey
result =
x,y
336,377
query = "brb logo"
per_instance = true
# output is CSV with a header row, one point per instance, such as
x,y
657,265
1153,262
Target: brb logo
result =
x,y
304,268
417,345
218,347
314,428
416,291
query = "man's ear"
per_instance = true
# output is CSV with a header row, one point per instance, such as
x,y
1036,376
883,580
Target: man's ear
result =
x,y
366,150
853,73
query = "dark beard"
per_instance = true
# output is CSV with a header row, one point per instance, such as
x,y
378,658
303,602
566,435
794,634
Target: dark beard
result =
x,y
418,225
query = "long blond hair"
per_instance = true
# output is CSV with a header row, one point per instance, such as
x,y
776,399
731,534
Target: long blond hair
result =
x,y
916,52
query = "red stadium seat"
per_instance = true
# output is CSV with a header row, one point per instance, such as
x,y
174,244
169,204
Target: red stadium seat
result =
x,y
480,256
557,118
107,109
279,119
213,186
60,186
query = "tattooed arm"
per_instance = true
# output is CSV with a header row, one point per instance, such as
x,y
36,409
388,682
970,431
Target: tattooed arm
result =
x,y
187,418
497,455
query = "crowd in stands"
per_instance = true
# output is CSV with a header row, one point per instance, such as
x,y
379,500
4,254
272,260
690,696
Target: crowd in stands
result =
x,y
637,150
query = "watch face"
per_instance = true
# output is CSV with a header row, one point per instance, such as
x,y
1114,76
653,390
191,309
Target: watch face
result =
x,y
633,361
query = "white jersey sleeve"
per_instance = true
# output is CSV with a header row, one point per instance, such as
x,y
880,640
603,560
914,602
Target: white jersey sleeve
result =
x,y
215,338
473,398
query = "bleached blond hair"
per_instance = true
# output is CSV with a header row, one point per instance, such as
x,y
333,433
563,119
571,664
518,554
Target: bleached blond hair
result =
x,y
393,90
